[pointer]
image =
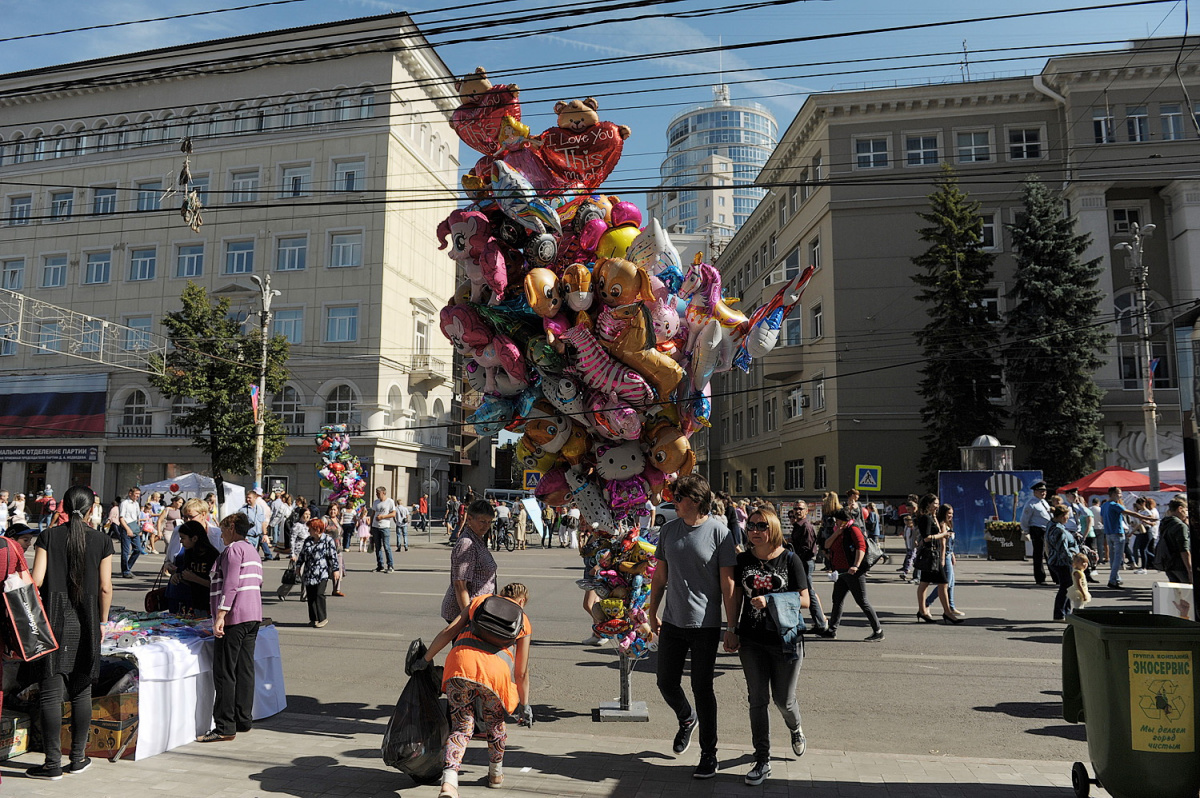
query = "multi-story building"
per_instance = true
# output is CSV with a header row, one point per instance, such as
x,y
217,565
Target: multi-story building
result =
x,y
1112,130
325,158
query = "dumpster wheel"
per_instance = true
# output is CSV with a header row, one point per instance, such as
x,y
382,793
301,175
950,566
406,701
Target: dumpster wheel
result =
x,y
1080,780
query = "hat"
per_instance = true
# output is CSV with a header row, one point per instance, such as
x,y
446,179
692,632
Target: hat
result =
x,y
1038,486
49,491
16,530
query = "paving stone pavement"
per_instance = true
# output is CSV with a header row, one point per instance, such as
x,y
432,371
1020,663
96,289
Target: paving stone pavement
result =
x,y
313,756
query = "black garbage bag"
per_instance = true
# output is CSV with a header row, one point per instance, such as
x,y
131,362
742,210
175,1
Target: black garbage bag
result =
x,y
416,734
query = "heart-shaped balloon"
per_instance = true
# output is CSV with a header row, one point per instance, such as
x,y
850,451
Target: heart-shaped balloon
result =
x,y
477,122
585,157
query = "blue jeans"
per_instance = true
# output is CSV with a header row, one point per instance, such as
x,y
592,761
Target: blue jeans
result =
x,y
814,601
1062,577
1116,557
131,549
384,544
402,535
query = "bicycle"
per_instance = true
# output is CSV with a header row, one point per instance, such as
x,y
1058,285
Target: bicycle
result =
x,y
501,536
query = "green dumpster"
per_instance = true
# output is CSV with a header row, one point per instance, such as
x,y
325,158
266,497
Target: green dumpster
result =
x,y
1131,677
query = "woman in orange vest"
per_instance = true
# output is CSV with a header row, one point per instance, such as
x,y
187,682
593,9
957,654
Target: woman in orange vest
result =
x,y
498,681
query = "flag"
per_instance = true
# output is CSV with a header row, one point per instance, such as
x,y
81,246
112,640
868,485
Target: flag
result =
x,y
53,405
254,401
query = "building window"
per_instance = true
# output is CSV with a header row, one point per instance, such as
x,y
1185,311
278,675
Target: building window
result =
x,y
20,210
98,269
104,200
795,404
366,104
349,175
1171,117
200,186
421,337
296,181
341,324
137,337
974,146
791,265
1102,126
818,173
988,231
291,254
149,195
814,253
190,261
49,336
818,391
142,264
54,271
774,247
1025,144
1123,220
821,477
136,412
921,150
286,405
752,422
737,425
239,257
290,324
793,329
990,300
93,333
245,186
62,203
339,406
817,315
725,433
754,480
771,479
14,274
794,198
871,153
8,340
1133,368
725,481
345,250
739,481
793,475
770,414
342,108
805,185
1137,123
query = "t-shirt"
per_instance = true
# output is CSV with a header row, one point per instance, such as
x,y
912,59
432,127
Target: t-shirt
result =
x,y
694,556
381,507
503,512
401,514
1177,538
130,513
782,574
1114,519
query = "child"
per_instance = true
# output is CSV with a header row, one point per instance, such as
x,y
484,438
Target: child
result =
x,y
1078,592
363,529
910,547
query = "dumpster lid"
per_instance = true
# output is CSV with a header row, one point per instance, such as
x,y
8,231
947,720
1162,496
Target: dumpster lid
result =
x,y
1117,623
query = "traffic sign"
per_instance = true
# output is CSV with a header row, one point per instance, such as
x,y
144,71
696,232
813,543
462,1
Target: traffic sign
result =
x,y
867,477
532,478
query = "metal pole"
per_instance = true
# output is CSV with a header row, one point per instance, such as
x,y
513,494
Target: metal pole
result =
x,y
1137,271
626,679
260,421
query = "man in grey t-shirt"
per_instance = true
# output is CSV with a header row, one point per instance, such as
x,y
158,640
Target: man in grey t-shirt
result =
x,y
695,575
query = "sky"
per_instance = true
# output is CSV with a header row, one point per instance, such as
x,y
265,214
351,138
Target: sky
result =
x,y
645,94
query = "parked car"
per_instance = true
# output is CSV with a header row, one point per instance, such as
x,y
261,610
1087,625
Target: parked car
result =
x,y
664,512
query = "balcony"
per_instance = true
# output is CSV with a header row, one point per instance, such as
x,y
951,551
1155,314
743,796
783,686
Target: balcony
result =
x,y
426,368
784,362
420,437
133,431
176,431
294,430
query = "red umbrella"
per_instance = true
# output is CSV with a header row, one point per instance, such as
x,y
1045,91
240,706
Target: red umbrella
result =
x,y
1115,477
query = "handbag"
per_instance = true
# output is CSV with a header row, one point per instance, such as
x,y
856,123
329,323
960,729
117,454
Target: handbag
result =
x,y
156,597
27,633
289,575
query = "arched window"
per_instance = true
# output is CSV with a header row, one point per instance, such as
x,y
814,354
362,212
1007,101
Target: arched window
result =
x,y
17,150
343,108
439,410
83,140
136,412
419,409
395,411
180,405
340,406
366,104
291,114
38,148
286,405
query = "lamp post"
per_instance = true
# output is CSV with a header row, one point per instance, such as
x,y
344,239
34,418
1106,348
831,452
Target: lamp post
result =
x,y
1137,272
260,424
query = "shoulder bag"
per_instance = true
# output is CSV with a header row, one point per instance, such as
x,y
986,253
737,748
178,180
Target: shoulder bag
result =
x,y
26,630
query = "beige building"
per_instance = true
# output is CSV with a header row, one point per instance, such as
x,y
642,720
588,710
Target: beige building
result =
x,y
326,160
1112,130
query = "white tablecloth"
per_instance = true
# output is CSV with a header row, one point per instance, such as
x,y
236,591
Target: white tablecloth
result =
x,y
176,692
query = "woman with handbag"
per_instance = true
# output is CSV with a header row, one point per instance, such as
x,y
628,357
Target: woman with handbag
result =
x,y
930,561
74,573
187,590
318,563
766,573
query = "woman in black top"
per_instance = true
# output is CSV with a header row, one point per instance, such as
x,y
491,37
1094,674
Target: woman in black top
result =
x,y
73,571
931,559
189,585
772,667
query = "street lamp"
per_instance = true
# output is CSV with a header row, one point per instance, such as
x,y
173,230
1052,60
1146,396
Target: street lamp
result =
x,y
266,294
1137,272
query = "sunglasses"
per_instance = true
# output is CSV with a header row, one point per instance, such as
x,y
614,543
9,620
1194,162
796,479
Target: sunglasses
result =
x,y
758,526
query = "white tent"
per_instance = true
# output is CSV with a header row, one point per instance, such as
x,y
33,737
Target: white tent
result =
x,y
197,486
1170,470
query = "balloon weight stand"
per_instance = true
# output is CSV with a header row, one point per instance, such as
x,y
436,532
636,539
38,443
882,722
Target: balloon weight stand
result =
x,y
624,710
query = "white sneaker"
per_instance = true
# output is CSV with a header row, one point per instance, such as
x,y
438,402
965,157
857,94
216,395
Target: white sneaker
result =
x,y
593,641
1140,571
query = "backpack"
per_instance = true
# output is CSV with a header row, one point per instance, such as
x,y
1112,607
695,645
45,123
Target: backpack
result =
x,y
872,555
1163,556
497,621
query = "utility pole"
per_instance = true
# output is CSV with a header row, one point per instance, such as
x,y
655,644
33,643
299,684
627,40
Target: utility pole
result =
x,y
260,421
1137,271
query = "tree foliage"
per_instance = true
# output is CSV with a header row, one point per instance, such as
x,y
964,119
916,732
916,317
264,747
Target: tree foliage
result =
x,y
213,362
961,373
1055,347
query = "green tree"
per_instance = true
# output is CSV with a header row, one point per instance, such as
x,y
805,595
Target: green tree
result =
x,y
213,362
961,372
1055,347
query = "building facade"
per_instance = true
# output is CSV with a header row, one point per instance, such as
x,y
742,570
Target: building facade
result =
x,y
324,158
1113,131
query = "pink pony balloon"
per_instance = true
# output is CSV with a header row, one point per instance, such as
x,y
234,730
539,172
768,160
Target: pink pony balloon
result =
x,y
465,328
472,242
502,355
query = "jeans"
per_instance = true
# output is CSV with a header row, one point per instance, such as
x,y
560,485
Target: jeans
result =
x,y
347,535
383,544
1140,541
854,585
233,677
131,549
1038,535
1116,557
1062,576
814,601
933,597
769,675
259,542
315,594
673,645
78,689
402,535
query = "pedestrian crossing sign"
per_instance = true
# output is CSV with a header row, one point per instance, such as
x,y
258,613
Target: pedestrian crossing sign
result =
x,y
532,478
867,477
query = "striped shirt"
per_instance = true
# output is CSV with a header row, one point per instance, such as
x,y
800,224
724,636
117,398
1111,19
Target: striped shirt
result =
x,y
237,584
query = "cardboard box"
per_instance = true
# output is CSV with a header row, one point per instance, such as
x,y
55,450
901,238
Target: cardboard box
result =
x,y
114,726
14,734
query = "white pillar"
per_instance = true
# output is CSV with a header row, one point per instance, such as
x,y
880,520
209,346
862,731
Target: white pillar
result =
x,y
1183,229
1089,205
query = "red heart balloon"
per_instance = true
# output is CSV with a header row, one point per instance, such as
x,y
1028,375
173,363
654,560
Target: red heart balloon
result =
x,y
584,157
477,122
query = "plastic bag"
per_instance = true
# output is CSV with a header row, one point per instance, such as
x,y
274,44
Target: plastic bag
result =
x,y
416,734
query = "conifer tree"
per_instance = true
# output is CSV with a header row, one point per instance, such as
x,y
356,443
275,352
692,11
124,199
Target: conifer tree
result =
x,y
1055,345
961,373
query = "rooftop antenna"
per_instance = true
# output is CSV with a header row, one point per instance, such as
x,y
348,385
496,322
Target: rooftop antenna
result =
x,y
720,91
966,64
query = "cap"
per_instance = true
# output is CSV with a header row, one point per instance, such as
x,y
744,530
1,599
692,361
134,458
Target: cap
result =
x,y
1038,486
16,530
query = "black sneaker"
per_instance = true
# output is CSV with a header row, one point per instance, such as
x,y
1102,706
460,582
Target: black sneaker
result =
x,y
683,737
799,744
827,632
1115,586
78,767
707,768
45,773
379,570
758,774
875,637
